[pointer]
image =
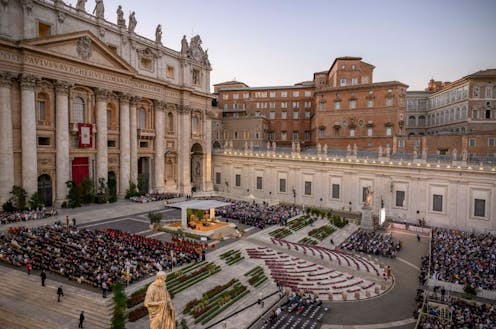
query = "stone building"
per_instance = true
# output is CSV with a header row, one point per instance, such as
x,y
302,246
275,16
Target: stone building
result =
x,y
456,116
81,97
447,194
255,115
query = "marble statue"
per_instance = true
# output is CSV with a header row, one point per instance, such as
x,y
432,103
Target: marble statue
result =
x,y
415,152
388,151
159,304
355,149
293,146
348,149
268,146
120,17
251,145
325,149
132,22
274,146
184,46
246,146
158,34
464,155
298,148
424,152
99,10
454,155
81,5
231,144
369,197
379,152
319,148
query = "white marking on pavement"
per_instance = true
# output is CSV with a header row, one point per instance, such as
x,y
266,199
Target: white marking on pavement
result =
x,y
408,263
370,326
143,232
139,220
108,222
155,234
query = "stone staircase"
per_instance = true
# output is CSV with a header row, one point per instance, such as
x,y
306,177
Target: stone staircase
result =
x,y
24,303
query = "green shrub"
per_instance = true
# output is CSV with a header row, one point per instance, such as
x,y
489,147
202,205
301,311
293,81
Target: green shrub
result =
x,y
85,188
19,197
74,195
132,191
102,194
154,217
35,202
119,317
8,206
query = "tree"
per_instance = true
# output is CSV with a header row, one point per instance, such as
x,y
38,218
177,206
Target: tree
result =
x,y
154,217
35,202
74,195
19,196
102,194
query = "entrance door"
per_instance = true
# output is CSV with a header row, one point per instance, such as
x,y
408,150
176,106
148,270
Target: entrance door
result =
x,y
144,175
80,170
112,185
45,189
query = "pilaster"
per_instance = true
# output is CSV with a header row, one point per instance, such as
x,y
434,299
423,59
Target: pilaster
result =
x,y
6,138
102,96
28,134
184,157
125,156
133,146
159,147
62,139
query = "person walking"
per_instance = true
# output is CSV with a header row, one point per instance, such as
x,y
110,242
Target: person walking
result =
x,y
43,277
60,293
332,242
81,319
28,268
104,289
418,237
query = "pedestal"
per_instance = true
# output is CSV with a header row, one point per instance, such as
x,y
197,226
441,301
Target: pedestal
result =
x,y
367,221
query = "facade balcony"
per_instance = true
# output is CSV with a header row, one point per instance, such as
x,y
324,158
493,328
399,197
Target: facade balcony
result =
x,y
146,133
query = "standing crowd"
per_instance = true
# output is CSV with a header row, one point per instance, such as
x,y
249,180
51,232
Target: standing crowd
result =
x,y
26,215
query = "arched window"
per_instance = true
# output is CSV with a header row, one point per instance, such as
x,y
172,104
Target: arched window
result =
x,y
421,121
411,121
194,124
78,109
141,118
170,120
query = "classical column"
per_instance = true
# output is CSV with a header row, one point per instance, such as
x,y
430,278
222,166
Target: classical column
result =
x,y
101,135
6,138
62,139
4,18
207,163
125,156
133,137
184,157
28,134
159,147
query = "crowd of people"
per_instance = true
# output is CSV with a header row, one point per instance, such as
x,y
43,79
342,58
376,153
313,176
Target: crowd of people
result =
x,y
464,258
26,215
296,304
155,196
372,243
255,214
463,315
94,256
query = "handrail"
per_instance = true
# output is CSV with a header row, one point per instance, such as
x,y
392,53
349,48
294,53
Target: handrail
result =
x,y
243,309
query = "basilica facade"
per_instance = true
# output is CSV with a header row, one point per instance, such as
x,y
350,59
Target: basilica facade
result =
x,y
83,97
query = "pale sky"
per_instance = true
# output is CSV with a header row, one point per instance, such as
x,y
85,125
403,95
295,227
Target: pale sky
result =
x,y
282,42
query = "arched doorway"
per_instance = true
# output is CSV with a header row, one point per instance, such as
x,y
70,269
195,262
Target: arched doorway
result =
x,y
216,145
112,186
45,189
196,167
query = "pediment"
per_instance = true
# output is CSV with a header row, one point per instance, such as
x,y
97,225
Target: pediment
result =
x,y
82,46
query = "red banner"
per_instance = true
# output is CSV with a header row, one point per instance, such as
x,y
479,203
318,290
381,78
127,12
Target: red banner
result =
x,y
85,132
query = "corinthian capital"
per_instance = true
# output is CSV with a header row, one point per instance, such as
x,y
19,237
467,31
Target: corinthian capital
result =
x,y
124,98
27,81
184,109
102,95
62,88
159,105
5,79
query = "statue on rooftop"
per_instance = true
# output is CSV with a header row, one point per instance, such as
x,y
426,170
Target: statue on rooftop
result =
x,y
388,151
319,148
379,152
355,149
120,17
158,34
132,23
348,150
81,5
325,149
99,10
454,155
184,46
464,155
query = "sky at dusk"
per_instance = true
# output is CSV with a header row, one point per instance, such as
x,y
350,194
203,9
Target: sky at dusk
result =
x,y
282,42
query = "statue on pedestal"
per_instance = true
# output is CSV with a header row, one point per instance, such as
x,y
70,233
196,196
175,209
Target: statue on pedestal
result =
x,y
355,149
369,197
325,149
388,151
274,146
99,10
159,304
132,23
120,17
319,148
298,149
80,5
464,155
158,34
184,46
424,152
379,152
348,150
454,155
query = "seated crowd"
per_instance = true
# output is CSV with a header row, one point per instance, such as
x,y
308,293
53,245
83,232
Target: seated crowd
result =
x,y
372,243
94,256
255,214
297,304
155,196
25,215
461,257
463,315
